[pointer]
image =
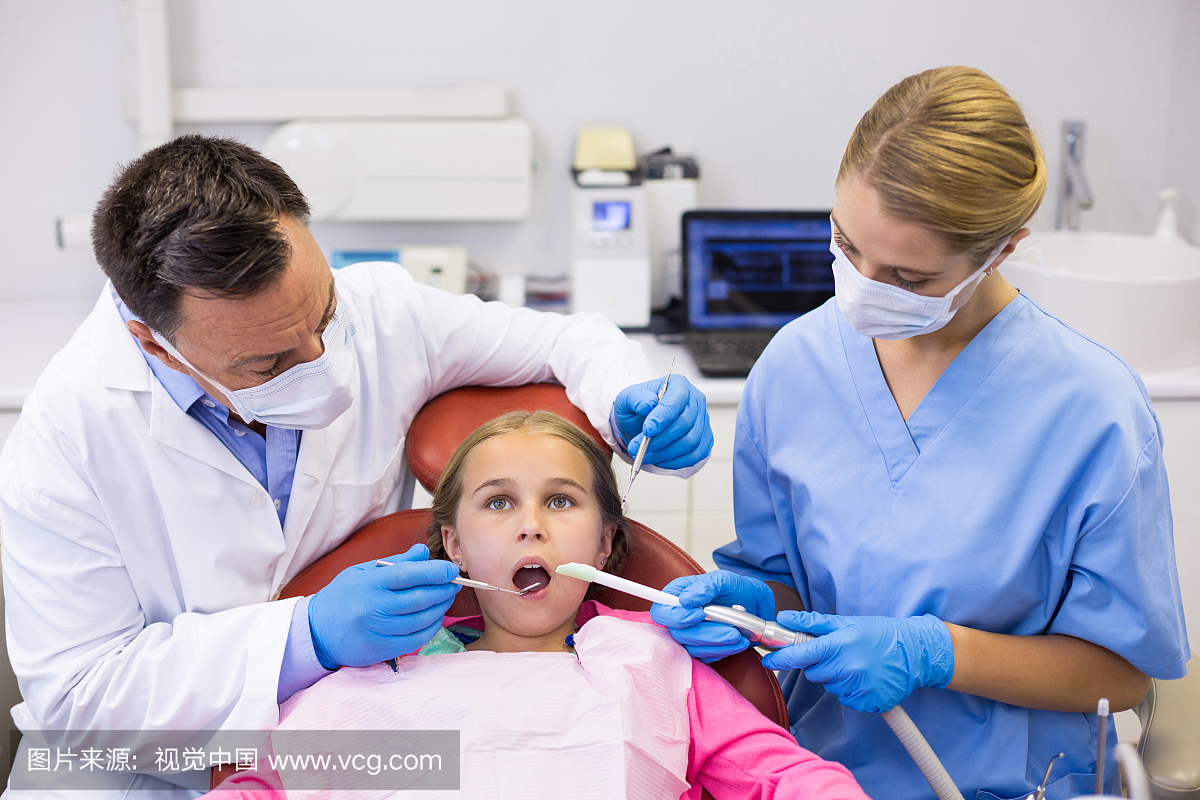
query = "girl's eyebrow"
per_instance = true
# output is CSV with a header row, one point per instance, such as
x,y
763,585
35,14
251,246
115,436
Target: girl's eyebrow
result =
x,y
501,483
566,482
508,483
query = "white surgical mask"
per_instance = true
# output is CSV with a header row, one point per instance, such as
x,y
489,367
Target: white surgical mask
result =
x,y
883,311
308,396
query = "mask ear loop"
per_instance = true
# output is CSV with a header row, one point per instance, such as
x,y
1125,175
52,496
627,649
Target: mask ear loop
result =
x,y
1034,252
993,266
985,270
165,344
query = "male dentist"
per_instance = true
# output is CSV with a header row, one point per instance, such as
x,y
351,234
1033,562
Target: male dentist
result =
x,y
230,411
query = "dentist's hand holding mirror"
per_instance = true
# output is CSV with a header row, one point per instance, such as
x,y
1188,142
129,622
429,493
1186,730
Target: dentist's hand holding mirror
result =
x,y
680,433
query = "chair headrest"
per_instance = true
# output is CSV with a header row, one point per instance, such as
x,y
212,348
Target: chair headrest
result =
x,y
449,418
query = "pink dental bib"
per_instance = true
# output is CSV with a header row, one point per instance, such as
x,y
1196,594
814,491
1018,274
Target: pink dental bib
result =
x,y
609,722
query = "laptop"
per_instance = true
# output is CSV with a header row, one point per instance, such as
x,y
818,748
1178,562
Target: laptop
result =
x,y
746,274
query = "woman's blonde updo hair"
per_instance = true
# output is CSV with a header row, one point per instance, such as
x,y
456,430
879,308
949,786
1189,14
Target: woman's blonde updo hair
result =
x,y
949,150
449,489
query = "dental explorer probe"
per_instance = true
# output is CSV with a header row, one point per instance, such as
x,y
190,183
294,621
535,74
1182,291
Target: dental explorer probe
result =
x,y
771,635
461,581
641,453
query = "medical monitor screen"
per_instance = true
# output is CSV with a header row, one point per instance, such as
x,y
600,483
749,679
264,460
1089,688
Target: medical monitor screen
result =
x,y
755,269
610,215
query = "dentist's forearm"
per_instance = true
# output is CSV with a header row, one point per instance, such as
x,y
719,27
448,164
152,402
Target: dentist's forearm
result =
x,y
300,668
1053,672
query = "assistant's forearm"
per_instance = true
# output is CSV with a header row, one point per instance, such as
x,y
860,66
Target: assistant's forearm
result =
x,y
1053,672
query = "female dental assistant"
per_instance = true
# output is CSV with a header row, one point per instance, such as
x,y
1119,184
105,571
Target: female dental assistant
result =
x,y
967,495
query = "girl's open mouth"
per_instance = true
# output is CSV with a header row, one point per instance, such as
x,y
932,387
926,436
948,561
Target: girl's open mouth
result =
x,y
528,575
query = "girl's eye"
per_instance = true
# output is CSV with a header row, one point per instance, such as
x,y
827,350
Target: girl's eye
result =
x,y
561,502
499,504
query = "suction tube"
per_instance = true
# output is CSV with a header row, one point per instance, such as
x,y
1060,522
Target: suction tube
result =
x,y
906,731
773,636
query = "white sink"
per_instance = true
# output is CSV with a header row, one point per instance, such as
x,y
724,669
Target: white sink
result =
x,y
1136,295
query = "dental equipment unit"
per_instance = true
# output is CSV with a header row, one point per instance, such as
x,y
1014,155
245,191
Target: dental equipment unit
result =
x,y
773,636
641,453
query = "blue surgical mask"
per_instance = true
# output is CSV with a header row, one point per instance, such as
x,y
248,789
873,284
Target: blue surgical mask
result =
x,y
308,396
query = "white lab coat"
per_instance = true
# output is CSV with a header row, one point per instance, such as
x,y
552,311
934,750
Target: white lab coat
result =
x,y
140,558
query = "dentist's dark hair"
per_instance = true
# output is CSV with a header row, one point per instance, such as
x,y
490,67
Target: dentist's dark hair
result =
x,y
200,215
449,491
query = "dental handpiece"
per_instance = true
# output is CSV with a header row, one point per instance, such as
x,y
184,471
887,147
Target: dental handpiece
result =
x,y
760,632
763,633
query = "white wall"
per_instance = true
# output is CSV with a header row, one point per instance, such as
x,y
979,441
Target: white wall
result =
x,y
1181,167
61,136
765,94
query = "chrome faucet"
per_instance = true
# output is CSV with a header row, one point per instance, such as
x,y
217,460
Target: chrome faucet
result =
x,y
1074,194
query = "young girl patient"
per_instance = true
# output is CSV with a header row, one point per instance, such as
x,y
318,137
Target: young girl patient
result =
x,y
554,695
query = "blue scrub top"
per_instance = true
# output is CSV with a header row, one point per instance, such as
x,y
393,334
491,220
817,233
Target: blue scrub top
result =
x,y
1025,495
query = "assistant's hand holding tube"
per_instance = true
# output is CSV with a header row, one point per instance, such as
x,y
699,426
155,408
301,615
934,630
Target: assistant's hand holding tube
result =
x,y
369,614
678,426
710,641
870,663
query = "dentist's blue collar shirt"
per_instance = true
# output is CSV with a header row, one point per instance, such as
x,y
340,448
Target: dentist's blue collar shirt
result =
x,y
1025,495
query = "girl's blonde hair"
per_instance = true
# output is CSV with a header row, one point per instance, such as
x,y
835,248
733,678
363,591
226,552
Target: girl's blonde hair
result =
x,y
538,423
950,150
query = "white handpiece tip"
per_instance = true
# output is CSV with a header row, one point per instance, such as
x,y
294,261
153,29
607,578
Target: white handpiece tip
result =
x,y
1102,708
581,571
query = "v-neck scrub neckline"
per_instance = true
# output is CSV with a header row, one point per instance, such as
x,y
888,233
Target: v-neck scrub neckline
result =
x,y
902,441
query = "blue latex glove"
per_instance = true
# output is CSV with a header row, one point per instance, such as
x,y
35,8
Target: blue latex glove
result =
x,y
710,641
681,434
870,663
369,614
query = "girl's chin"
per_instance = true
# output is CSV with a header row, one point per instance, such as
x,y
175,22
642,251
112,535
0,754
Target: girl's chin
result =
x,y
531,626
